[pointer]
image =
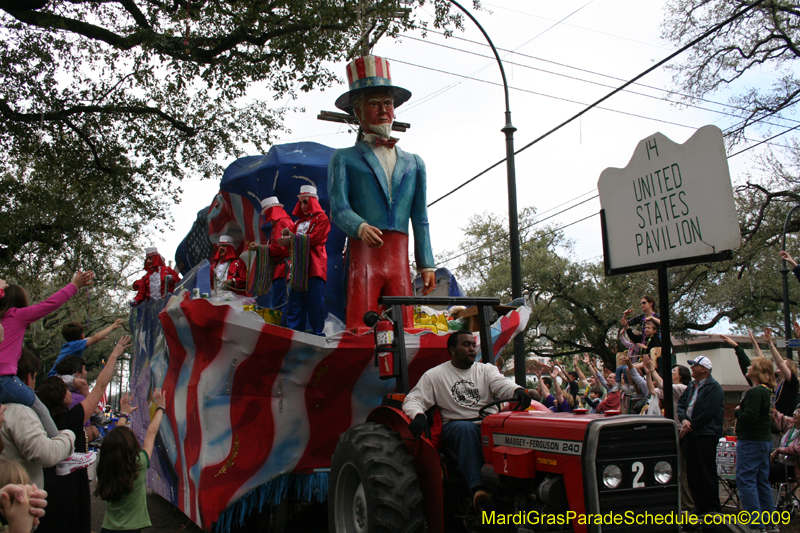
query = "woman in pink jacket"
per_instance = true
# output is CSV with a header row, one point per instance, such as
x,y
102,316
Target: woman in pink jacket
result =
x,y
16,314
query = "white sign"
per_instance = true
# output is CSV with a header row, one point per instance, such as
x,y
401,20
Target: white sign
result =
x,y
567,447
672,202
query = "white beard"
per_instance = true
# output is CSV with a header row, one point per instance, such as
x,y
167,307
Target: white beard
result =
x,y
382,130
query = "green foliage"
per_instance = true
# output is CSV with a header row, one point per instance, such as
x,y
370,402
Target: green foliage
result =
x,y
106,106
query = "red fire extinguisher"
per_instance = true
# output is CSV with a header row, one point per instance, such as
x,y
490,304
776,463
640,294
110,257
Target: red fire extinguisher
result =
x,y
384,349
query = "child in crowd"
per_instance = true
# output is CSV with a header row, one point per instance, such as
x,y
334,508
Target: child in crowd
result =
x,y
121,470
594,398
77,342
16,314
72,371
16,513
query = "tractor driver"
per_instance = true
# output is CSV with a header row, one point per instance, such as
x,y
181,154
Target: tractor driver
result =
x,y
459,388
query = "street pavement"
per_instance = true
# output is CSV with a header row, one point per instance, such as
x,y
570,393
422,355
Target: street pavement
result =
x,y
166,518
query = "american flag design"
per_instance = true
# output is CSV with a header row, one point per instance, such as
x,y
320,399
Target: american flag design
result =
x,y
233,215
367,67
250,404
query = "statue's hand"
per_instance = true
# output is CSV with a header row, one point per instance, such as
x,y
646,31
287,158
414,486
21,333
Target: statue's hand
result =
x,y
371,236
429,282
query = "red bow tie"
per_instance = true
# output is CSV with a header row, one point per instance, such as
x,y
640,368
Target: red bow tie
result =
x,y
389,143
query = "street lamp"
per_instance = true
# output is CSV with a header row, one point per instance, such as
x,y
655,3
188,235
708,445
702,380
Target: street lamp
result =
x,y
513,220
785,273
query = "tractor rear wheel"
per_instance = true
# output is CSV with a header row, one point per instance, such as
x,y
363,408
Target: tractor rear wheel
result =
x,y
373,487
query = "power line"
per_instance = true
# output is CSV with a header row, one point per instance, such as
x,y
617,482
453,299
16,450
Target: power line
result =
x,y
556,230
560,98
592,198
716,28
626,113
574,26
587,71
764,141
447,88
590,191
588,199
567,76
529,226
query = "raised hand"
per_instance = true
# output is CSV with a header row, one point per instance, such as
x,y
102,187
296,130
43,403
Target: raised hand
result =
x,y
123,343
788,258
125,404
82,279
159,398
728,340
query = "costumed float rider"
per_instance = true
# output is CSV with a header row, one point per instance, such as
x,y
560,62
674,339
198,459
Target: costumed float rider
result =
x,y
375,188
460,388
155,282
269,269
228,272
309,263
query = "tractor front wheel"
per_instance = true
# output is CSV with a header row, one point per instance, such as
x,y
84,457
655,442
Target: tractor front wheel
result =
x,y
373,487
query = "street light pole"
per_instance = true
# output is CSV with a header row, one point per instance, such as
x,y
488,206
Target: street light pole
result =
x,y
787,324
513,219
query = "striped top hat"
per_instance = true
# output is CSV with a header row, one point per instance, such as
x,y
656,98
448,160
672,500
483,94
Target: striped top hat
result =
x,y
369,73
151,251
225,239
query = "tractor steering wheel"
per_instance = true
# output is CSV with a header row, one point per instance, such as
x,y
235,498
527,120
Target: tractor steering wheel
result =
x,y
482,412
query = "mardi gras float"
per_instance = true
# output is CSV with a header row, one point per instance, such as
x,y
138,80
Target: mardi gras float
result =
x,y
254,409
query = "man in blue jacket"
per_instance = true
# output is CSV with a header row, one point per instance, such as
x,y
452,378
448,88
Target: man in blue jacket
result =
x,y
375,188
700,411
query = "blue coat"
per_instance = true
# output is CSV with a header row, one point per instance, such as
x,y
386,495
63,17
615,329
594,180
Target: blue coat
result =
x,y
358,192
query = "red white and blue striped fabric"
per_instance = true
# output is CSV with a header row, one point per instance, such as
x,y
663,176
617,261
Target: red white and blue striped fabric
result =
x,y
233,215
366,67
249,402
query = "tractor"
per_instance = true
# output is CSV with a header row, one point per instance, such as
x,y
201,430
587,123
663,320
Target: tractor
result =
x,y
546,471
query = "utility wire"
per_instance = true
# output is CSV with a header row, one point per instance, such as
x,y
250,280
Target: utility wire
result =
x,y
716,28
567,76
635,115
626,113
556,230
488,65
529,226
764,141
559,228
564,65
503,8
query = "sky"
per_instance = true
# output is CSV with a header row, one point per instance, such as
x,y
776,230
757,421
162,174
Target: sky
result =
x,y
564,56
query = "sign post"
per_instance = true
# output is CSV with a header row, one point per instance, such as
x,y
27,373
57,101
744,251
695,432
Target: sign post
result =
x,y
672,205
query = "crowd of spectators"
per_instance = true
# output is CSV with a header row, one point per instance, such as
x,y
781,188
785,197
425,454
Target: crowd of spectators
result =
x,y
45,436
766,419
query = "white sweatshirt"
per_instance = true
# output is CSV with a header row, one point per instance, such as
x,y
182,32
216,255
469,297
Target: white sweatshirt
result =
x,y
459,394
25,441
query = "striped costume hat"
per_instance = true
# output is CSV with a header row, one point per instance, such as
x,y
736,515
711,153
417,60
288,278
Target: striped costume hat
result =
x,y
366,74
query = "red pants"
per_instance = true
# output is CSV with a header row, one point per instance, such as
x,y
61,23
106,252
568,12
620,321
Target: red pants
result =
x,y
375,272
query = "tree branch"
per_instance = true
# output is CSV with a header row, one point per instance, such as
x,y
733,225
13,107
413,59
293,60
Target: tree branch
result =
x,y
62,115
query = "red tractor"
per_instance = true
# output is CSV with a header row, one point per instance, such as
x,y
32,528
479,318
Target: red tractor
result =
x,y
547,471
